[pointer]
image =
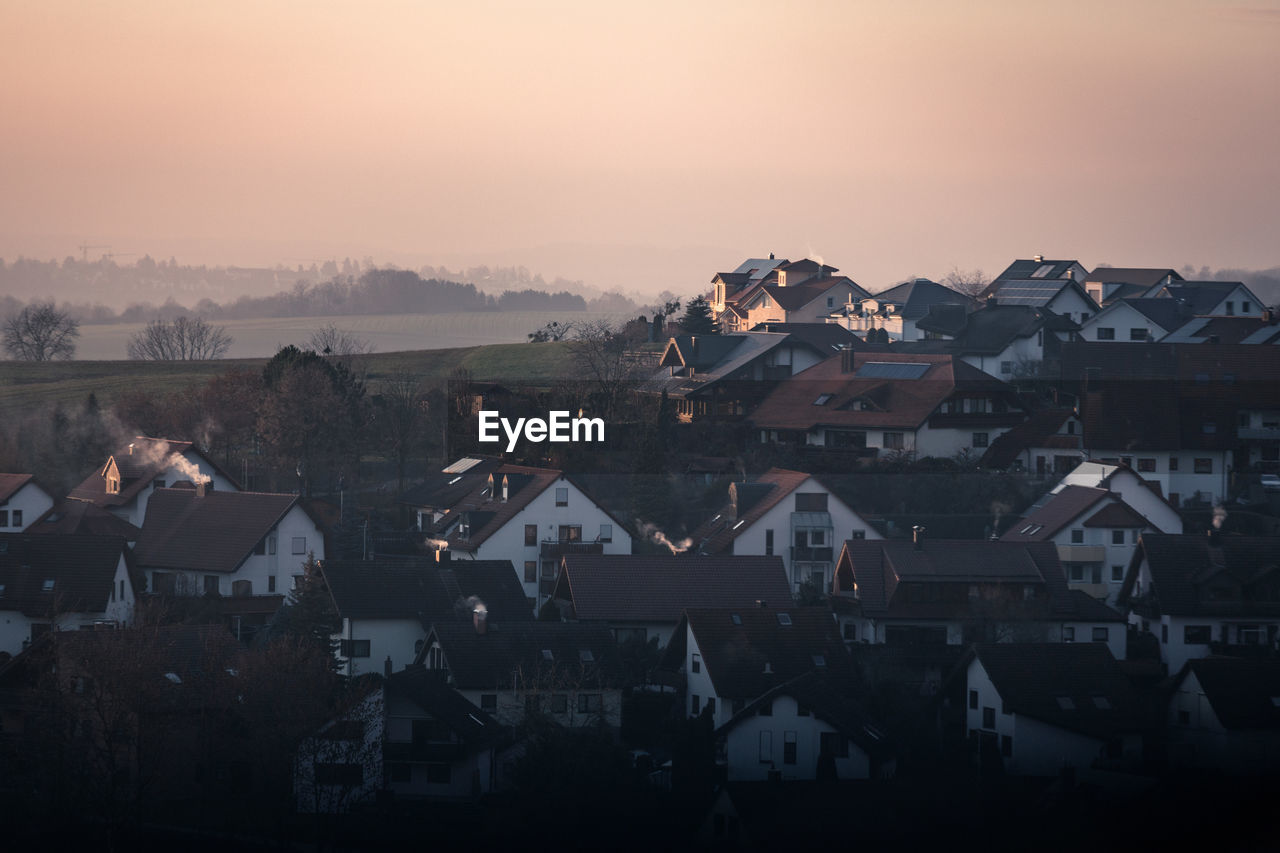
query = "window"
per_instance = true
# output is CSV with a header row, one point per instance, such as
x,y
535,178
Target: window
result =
x,y
1164,633
606,533
530,571
831,302
1231,307
980,439
1138,334
1066,703
164,582
570,533
1077,536
766,708
1076,572
271,545
822,399
988,718
1246,307
1095,573
1117,573
489,702
788,747
1204,466
299,545
811,502
113,485
1173,463
531,534
157,484
1006,367
1197,634
1006,746
260,548
438,773
1100,634
562,496
1117,537
1068,633
1102,703
354,648
560,703
784,619
4,518
1106,333
833,744
711,705
817,538
122,590
768,543
210,584
696,664
242,588
973,699
893,441
766,747
588,703
17,518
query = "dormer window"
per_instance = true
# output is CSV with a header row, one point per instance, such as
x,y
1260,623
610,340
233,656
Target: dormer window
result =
x,y
113,485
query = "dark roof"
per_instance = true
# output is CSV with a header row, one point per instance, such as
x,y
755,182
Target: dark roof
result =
x,y
826,338
490,660
1168,314
993,328
215,532
425,590
1226,330
658,588
139,463
1117,513
1144,277
1191,575
913,299
1025,268
1201,297
747,503
10,484
794,297
82,569
488,513
1053,513
72,517
1035,292
1032,678
1040,429
1244,692
826,695
427,690
747,651
446,488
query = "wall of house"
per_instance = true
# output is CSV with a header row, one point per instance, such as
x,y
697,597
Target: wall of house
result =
x,y
1097,548
1183,483
699,684
1201,741
1082,632
756,745
22,510
1121,319
469,774
1018,359
15,627
507,543
946,442
1069,303
508,706
394,638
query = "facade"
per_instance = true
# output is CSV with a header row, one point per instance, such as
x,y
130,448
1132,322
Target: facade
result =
x,y
893,314
1222,716
22,502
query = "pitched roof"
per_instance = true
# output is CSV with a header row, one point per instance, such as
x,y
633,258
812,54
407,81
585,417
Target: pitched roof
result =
x,y
1144,277
1026,268
882,391
82,570
215,532
1040,429
758,268
658,588
1033,292
1168,314
993,328
1201,297
72,517
139,463
749,650
579,653
795,297
747,503
1054,512
425,590
713,358
1192,575
1244,692
1225,330
1075,686
10,484
488,513
826,338
912,299
1117,513
446,488
427,690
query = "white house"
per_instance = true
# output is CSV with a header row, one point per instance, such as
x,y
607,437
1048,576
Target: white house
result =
x,y
61,583
1008,341
1211,298
1044,707
22,501
532,517
796,728
893,314
1041,283
125,484
810,302
1135,320
790,514
1223,715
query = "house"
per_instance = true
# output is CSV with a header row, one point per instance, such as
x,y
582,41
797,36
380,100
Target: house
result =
x,y
954,592
431,500
729,288
1223,714
124,485
1050,442
797,727
1054,285
1095,533
71,517
22,502
893,314
411,737
788,513
1247,331
1204,594
569,672
1008,341
730,657
789,302
1106,285
1136,320
640,598
532,517
387,607
727,375
241,548
1042,707
1211,298
1129,484
61,583
870,404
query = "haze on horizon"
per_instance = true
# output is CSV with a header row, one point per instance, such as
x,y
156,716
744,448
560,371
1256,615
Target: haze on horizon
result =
x,y
644,146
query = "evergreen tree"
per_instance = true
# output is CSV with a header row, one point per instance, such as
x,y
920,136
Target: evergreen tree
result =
x,y
310,614
697,318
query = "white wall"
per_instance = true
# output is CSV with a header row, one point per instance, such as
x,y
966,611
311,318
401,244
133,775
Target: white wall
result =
x,y
30,502
396,638
750,759
15,627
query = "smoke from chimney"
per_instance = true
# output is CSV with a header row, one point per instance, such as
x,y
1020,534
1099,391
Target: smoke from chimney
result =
x,y
479,615
653,534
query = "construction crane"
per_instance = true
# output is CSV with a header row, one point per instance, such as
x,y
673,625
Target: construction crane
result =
x,y
84,251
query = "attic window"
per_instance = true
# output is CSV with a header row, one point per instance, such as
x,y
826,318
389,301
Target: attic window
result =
x,y
546,655
784,618
820,661
47,586
1102,703
735,617
822,400
586,656
113,486
174,677
1066,703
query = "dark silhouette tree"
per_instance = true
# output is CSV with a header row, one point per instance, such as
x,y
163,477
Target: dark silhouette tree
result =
x,y
697,319
40,332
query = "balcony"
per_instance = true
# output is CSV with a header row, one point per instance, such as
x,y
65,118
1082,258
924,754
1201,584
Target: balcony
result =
x,y
555,548
811,555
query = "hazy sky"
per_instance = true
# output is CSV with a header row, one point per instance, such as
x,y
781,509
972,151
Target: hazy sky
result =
x,y
888,138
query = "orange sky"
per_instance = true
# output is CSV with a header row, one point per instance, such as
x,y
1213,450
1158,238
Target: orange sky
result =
x,y
891,139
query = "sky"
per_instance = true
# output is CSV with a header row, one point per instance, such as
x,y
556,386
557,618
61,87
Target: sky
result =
x,y
644,145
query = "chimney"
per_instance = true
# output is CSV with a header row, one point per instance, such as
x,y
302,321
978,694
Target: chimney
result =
x,y
386,667
768,668
1039,259
771,256
761,603
1215,539
917,536
131,448
991,301
201,486
442,556
480,619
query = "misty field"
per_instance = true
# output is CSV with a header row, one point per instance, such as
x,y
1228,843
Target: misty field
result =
x,y
262,338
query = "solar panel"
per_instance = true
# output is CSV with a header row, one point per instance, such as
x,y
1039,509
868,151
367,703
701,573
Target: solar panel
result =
x,y
892,370
466,463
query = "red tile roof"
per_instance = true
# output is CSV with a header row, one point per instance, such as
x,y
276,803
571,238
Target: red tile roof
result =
x,y
139,463
10,484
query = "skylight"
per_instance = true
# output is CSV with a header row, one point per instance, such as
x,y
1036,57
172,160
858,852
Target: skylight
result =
x,y
736,617
1102,703
47,586
819,661
546,655
893,369
585,655
1066,703
741,522
174,677
784,618
454,480
822,400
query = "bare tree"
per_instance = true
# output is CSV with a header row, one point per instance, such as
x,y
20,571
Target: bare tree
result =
x,y
182,339
600,352
339,343
969,282
40,332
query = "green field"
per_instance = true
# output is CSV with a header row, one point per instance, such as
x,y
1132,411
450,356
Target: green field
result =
x,y
25,385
